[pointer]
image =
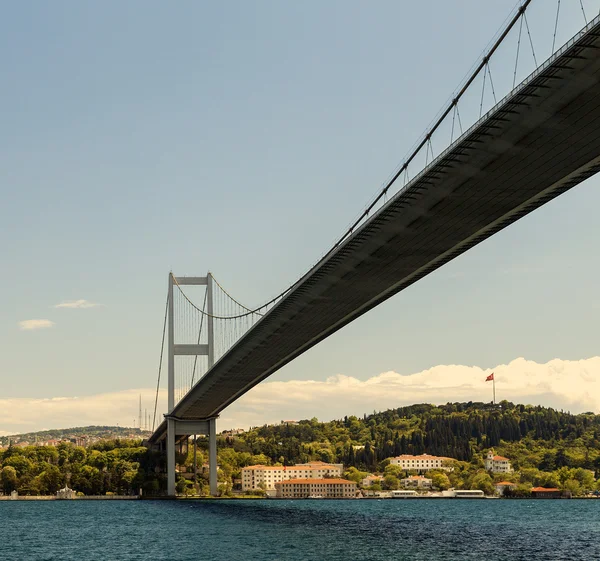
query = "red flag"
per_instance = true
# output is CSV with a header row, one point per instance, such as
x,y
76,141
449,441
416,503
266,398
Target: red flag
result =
x,y
490,377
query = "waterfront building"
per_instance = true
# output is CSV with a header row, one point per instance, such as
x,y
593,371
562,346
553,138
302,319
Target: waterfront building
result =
x,y
416,482
404,494
502,486
66,493
468,494
497,464
265,477
327,488
546,493
422,463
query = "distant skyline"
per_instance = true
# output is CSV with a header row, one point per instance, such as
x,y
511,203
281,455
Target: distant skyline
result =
x,y
242,138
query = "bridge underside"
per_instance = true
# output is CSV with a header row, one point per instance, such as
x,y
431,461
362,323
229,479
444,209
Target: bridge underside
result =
x,y
537,143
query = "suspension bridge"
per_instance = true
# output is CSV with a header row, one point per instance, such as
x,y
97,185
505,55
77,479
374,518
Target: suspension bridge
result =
x,y
540,140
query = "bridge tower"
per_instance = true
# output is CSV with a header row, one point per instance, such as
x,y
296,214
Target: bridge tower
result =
x,y
182,428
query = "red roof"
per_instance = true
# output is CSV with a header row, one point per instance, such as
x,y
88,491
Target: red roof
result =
x,y
500,459
324,481
544,489
505,484
422,457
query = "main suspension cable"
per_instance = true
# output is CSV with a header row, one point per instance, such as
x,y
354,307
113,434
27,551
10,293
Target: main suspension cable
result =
x,y
162,347
255,311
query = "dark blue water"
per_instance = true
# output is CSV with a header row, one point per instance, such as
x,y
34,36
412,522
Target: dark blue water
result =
x,y
300,530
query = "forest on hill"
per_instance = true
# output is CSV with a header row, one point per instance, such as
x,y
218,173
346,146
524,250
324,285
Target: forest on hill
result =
x,y
546,447
92,432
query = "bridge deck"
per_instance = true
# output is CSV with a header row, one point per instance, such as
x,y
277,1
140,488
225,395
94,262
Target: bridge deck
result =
x,y
537,143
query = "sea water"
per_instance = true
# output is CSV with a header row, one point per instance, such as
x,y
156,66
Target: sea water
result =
x,y
303,530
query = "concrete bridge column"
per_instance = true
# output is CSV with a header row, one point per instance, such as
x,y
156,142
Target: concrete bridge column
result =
x,y
212,456
170,457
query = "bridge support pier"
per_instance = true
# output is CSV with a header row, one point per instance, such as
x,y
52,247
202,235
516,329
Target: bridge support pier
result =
x,y
176,427
212,457
171,457
182,428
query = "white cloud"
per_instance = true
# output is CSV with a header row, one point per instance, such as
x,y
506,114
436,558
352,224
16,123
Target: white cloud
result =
x,y
562,384
31,324
77,304
18,415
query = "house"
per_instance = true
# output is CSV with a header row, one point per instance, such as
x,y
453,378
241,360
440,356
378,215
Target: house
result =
x,y
548,493
322,488
501,486
422,463
416,482
370,480
497,464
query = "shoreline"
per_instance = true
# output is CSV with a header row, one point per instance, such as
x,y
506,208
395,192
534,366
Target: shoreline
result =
x,y
246,498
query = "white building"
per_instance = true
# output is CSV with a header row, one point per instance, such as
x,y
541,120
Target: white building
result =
x,y
316,488
416,482
370,480
259,476
497,464
421,463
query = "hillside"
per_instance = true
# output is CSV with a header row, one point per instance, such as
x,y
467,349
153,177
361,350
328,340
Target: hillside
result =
x,y
532,436
546,448
87,434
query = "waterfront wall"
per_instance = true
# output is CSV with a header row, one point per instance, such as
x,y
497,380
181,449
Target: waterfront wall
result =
x,y
84,498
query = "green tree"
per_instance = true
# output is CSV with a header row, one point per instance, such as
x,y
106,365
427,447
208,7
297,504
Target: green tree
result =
x,y
391,482
573,486
50,480
483,482
440,481
8,478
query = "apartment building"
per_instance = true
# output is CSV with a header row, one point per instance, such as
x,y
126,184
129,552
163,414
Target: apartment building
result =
x,y
321,488
422,463
259,476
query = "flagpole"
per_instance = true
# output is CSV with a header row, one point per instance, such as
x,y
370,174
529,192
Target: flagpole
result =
x,y
494,386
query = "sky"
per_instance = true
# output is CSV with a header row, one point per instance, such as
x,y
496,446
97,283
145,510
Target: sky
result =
x,y
242,138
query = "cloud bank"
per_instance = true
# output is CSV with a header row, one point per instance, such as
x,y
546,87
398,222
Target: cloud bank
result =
x,y
562,384
77,304
32,324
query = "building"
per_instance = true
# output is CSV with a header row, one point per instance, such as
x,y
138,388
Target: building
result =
x,y
370,480
325,488
497,464
416,482
265,477
546,493
65,493
421,463
502,486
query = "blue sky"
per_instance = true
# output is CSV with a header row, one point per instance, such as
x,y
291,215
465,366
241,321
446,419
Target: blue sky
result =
x,y
243,137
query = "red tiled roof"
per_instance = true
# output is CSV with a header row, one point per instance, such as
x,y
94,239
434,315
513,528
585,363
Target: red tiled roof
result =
x,y
542,489
422,457
505,483
324,481
500,459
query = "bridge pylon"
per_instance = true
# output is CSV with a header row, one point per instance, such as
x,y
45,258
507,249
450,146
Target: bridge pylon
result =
x,y
178,428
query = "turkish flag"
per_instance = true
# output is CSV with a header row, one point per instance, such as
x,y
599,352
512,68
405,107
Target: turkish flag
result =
x,y
490,377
